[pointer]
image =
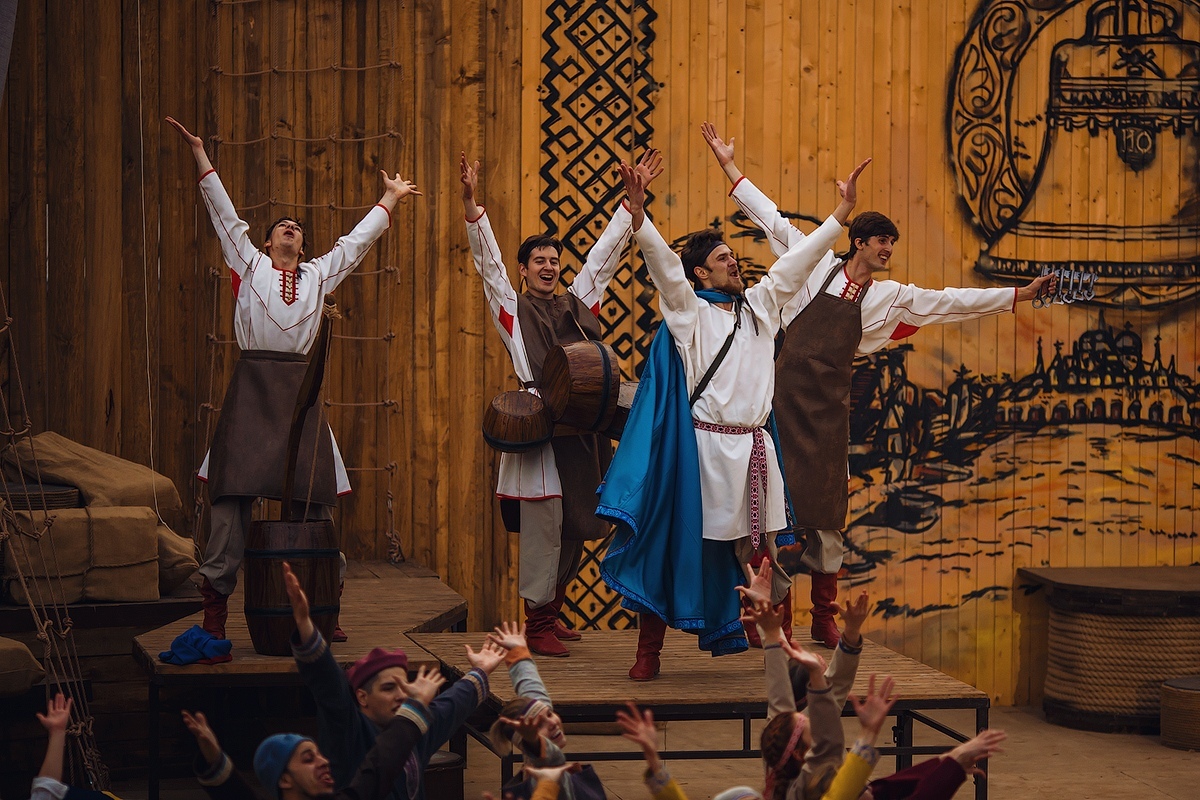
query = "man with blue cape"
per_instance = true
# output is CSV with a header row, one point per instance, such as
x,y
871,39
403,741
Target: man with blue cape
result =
x,y
695,488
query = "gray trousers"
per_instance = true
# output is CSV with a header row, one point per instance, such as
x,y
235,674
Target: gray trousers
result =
x,y
822,550
229,521
546,561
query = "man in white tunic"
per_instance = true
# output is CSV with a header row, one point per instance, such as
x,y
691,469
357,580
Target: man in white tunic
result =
x,y
841,312
277,312
725,337
548,495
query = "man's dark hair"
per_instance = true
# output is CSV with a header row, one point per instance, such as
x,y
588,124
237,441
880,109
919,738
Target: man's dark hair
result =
x,y
695,252
868,224
534,242
303,237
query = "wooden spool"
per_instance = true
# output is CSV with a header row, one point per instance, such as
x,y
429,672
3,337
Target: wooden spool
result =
x,y
1180,713
517,422
625,397
312,550
581,383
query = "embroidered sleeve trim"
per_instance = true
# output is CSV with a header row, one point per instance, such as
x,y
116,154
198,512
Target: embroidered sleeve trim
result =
x,y
217,773
310,651
416,713
480,680
866,752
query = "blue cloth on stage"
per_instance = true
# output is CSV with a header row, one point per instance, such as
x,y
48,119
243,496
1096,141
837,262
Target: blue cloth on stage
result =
x,y
659,561
195,645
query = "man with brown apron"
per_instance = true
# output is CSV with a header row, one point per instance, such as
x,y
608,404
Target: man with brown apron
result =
x,y
548,495
841,312
278,301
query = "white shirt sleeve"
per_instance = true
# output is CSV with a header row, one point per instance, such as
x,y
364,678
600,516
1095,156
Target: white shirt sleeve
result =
x,y
44,788
602,260
787,276
233,232
782,235
501,296
919,307
349,250
678,302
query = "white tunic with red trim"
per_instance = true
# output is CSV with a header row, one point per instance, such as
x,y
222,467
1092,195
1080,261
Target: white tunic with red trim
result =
x,y
891,310
534,475
275,309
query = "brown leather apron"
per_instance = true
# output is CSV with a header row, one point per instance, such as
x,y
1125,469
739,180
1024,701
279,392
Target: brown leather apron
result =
x,y
812,405
582,460
248,455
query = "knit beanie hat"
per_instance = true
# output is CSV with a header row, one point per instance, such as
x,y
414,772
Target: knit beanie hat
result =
x,y
374,662
271,759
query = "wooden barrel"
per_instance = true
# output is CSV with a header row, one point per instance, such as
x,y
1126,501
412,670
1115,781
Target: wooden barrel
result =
x,y
581,383
1180,713
516,422
312,550
624,403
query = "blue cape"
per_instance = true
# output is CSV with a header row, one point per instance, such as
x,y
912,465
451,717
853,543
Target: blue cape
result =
x,y
659,561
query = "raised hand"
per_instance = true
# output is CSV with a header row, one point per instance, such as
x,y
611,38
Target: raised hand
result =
x,y
721,149
198,725
195,142
468,176
766,616
760,582
399,187
424,687
528,727
985,745
1045,285
638,727
508,635
853,616
488,658
635,192
814,664
649,166
299,601
58,714
873,710
848,189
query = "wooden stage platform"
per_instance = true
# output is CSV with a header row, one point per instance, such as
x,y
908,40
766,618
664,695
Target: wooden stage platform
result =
x,y
382,602
593,683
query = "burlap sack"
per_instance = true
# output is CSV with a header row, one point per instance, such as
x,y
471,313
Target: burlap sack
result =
x,y
89,554
176,560
104,480
19,670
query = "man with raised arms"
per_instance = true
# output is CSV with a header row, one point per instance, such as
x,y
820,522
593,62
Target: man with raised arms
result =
x,y
841,312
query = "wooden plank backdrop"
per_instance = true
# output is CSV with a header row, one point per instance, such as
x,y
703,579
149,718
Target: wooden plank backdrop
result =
x,y
122,305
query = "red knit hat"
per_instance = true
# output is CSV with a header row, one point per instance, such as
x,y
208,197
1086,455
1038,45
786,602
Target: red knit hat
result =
x,y
373,663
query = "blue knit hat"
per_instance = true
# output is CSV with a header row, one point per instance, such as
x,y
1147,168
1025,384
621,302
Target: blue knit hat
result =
x,y
271,759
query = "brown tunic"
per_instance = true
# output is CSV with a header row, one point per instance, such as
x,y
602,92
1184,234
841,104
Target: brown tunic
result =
x,y
812,405
249,447
582,460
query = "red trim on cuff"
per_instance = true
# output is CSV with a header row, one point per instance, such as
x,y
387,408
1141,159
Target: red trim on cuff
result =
x,y
625,205
1016,291
211,170
735,185
387,211
482,211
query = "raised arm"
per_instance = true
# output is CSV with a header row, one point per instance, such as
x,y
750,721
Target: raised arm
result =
x,y
55,721
758,208
787,276
349,250
677,300
232,231
769,622
489,263
605,255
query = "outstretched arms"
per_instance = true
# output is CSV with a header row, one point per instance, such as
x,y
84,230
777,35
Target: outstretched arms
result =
x,y
722,151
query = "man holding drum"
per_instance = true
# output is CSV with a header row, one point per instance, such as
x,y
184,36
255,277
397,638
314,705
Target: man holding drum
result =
x,y
842,311
548,494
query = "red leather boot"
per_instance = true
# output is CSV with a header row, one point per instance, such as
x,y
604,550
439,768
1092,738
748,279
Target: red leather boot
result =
x,y
824,592
216,609
339,635
561,631
652,630
539,631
